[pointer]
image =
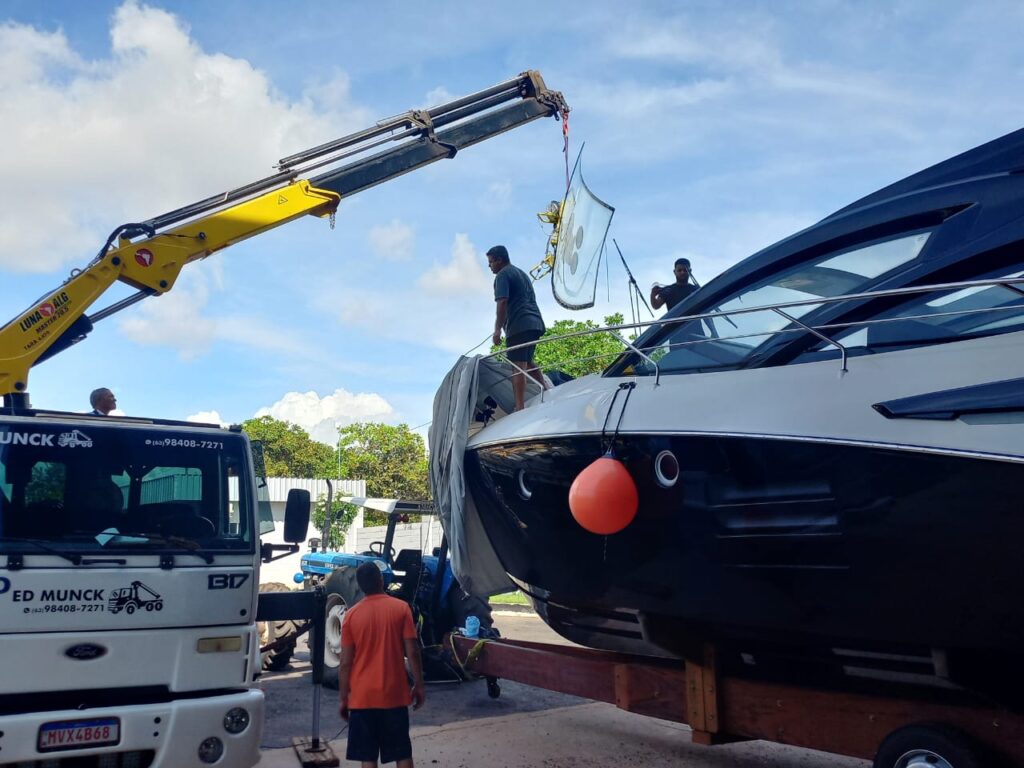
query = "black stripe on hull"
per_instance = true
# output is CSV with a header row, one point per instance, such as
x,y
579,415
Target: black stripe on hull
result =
x,y
771,542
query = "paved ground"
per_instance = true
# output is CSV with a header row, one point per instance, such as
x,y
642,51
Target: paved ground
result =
x,y
460,727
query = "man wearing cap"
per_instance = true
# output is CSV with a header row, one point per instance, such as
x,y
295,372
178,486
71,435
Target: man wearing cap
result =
x,y
516,312
669,295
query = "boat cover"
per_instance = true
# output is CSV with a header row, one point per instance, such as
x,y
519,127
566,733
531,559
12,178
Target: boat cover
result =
x,y
458,401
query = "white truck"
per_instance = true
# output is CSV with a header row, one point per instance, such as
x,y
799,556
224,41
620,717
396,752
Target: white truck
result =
x,y
128,592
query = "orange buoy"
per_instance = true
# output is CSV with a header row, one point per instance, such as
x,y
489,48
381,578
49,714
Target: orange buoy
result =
x,y
603,497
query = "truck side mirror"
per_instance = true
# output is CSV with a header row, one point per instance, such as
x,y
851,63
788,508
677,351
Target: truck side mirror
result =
x,y
296,516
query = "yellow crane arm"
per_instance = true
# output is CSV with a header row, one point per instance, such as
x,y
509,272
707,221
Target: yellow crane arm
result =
x,y
151,265
149,256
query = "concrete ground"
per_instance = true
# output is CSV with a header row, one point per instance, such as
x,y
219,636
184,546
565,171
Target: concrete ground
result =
x,y
461,727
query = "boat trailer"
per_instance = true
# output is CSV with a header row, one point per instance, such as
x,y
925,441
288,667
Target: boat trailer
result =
x,y
891,731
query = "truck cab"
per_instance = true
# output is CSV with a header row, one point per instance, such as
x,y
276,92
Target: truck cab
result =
x,y
129,570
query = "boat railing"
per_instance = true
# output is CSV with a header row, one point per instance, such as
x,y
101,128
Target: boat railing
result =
x,y
1015,284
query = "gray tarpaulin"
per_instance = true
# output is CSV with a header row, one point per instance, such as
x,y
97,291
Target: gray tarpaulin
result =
x,y
460,396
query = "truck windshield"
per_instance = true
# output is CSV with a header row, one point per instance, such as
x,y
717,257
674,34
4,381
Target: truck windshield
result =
x,y
76,489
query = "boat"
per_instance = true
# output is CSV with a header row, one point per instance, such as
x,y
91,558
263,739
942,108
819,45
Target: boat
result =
x,y
827,447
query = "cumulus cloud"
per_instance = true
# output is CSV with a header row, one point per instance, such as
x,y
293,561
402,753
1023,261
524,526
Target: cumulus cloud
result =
x,y
321,416
182,320
438,96
207,417
393,242
463,273
156,123
455,295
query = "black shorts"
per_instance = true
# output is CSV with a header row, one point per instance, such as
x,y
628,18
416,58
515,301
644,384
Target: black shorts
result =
x,y
379,733
524,355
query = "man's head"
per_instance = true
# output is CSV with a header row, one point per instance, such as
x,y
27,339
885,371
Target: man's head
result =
x,y
682,270
497,258
370,579
103,400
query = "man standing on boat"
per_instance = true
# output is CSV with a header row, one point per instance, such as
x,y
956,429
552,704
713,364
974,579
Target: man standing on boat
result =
x,y
669,295
516,312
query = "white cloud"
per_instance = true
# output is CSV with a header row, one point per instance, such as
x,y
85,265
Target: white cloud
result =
x,y
156,124
438,96
498,198
182,319
207,417
463,273
393,242
321,416
451,308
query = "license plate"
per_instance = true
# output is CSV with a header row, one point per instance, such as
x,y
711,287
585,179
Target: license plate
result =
x,y
79,734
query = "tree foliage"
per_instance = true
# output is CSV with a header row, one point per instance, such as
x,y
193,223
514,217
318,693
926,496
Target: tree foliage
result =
x,y
341,520
579,355
392,460
288,450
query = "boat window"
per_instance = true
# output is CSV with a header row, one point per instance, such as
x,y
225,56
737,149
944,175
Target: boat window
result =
x,y
940,317
729,340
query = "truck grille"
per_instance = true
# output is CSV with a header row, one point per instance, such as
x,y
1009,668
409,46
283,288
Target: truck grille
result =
x,y
141,758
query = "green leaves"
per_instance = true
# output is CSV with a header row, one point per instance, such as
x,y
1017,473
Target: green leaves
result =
x,y
289,451
392,460
579,355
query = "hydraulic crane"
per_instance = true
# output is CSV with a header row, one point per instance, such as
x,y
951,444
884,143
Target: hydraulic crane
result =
x,y
149,255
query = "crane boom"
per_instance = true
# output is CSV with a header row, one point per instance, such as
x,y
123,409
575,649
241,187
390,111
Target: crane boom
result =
x,y
150,255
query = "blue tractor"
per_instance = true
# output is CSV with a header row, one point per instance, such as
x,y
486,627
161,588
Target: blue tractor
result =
x,y
425,581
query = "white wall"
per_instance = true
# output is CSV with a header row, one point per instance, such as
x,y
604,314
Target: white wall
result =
x,y
423,536
282,570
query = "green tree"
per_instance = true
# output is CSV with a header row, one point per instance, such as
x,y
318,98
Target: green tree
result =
x,y
579,355
341,520
288,450
392,459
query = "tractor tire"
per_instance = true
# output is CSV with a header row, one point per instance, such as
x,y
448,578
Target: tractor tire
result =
x,y
271,631
461,605
342,593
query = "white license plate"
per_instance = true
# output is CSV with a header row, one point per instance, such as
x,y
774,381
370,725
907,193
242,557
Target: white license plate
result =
x,y
79,734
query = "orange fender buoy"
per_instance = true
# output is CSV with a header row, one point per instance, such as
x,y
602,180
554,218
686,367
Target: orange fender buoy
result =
x,y
603,497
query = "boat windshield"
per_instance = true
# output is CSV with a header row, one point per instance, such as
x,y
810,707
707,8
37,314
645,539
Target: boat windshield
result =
x,y
84,489
731,340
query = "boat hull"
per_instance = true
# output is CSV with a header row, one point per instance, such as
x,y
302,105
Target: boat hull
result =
x,y
769,543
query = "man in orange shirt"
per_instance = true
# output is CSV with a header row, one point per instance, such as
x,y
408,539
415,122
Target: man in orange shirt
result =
x,y
377,635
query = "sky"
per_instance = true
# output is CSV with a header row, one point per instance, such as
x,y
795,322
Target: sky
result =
x,y
714,129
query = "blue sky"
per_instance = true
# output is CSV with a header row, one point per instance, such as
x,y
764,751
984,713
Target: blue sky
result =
x,y
714,129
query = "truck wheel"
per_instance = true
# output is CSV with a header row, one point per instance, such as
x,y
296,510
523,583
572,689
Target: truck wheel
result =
x,y
129,609
271,631
930,745
342,593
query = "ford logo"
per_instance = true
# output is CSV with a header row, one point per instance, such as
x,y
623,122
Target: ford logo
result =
x,y
85,651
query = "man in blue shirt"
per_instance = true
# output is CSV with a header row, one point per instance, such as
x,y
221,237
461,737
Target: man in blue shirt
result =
x,y
516,312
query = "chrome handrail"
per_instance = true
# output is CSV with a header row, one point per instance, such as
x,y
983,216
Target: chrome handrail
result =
x,y
614,330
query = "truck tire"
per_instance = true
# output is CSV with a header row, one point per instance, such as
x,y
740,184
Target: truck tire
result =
x,y
342,593
271,631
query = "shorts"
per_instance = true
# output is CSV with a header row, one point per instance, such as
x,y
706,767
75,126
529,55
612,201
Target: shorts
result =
x,y
382,733
524,355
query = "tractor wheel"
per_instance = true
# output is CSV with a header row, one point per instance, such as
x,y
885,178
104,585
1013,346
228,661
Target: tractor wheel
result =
x,y
461,605
271,631
342,593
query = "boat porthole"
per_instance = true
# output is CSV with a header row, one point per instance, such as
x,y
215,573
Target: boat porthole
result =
x,y
524,490
666,469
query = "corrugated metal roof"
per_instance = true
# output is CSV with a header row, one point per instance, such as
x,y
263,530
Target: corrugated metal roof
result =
x,y
278,487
